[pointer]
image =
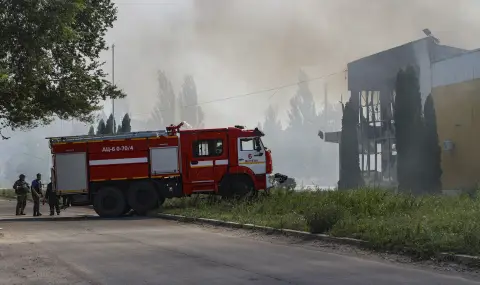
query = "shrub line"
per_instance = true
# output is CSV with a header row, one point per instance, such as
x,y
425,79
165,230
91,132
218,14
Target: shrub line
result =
x,y
468,260
300,234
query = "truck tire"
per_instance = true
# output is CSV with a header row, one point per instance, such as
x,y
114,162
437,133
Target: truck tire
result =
x,y
161,200
126,210
142,197
109,202
237,187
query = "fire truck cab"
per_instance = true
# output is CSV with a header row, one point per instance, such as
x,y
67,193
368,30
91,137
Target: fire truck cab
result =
x,y
140,170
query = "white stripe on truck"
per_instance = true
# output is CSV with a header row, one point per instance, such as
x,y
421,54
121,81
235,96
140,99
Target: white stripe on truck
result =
x,y
202,163
221,162
118,161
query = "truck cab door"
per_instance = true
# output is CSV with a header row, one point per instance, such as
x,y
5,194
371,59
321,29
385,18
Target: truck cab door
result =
x,y
251,154
208,158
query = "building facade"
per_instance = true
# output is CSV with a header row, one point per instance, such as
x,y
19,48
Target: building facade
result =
x,y
371,83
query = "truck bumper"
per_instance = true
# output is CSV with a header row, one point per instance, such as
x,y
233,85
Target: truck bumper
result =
x,y
268,182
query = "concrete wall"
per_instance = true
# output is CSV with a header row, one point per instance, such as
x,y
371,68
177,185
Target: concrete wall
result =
x,y
456,69
458,118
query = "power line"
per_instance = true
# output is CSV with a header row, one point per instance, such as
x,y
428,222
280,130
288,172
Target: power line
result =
x,y
251,93
146,3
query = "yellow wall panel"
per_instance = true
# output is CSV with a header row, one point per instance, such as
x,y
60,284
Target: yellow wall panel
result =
x,y
457,108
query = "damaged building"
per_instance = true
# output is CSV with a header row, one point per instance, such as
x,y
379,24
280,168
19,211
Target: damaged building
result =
x,y
371,83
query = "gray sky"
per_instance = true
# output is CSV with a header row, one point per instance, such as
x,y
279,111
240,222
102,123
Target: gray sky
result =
x,y
233,47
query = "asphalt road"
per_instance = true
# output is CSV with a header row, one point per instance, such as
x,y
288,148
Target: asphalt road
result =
x,y
154,251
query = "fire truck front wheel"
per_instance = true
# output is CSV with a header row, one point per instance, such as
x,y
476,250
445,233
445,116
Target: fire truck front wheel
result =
x,y
142,197
109,202
238,186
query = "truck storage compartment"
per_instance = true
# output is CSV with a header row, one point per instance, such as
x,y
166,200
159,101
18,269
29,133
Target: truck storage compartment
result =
x,y
164,160
71,172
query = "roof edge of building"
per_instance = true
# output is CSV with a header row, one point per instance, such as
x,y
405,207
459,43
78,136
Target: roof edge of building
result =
x,y
457,55
409,43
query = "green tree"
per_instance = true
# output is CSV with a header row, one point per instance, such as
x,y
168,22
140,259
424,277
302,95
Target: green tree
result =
x,y
432,151
125,127
350,175
91,131
101,128
110,126
409,131
303,123
49,60
274,140
163,113
191,112
302,112
272,125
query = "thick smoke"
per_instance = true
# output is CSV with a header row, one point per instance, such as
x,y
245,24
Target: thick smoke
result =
x,y
236,46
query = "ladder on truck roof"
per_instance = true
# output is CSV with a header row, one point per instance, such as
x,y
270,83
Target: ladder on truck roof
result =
x,y
144,134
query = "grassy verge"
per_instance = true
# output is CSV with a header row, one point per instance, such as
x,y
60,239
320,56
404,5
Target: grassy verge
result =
x,y
420,226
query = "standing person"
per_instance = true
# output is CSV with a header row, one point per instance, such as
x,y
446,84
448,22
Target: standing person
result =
x,y
52,197
36,195
21,190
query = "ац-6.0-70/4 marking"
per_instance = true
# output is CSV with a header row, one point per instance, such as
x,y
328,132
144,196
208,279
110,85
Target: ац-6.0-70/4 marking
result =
x,y
117,148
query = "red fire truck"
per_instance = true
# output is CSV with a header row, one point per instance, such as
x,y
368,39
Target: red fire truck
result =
x,y
139,170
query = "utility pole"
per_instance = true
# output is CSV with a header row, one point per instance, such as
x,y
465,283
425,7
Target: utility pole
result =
x,y
113,83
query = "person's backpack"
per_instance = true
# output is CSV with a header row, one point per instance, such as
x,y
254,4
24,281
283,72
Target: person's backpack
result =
x,y
21,189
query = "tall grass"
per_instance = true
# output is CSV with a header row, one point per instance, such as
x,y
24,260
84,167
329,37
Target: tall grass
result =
x,y
10,194
7,193
421,225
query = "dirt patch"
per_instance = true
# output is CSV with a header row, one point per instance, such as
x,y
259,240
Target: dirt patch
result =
x,y
25,262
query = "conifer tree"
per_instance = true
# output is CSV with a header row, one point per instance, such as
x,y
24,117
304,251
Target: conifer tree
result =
x,y
125,127
432,151
409,131
110,126
350,175
101,128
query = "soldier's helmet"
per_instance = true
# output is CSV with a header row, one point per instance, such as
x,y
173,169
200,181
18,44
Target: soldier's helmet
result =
x,y
21,176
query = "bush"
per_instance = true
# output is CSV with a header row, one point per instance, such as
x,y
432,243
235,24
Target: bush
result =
x,y
322,219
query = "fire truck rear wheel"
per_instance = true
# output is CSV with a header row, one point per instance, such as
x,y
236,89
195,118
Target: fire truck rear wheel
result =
x,y
142,197
109,202
126,210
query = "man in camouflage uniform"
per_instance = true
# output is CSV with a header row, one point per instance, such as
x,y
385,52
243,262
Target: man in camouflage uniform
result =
x,y
21,190
37,194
